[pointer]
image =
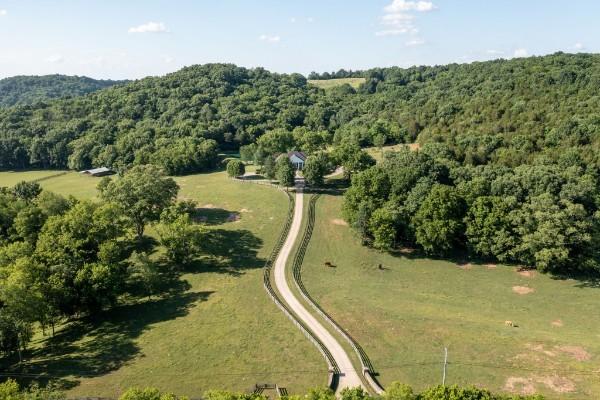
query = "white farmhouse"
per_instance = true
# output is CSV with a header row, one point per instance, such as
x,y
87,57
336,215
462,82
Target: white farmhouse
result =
x,y
297,158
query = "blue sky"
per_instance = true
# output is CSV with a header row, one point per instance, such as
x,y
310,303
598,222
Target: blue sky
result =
x,y
136,38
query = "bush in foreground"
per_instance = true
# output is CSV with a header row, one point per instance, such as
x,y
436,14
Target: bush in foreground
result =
x,y
10,390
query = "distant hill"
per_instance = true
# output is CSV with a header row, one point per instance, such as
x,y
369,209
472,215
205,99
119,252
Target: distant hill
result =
x,y
21,90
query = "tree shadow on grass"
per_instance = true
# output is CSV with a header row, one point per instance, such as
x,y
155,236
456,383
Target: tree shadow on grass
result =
x,y
229,252
215,216
253,177
584,280
593,283
95,346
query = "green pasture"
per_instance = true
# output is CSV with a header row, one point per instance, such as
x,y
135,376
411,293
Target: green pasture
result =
x,y
331,83
407,311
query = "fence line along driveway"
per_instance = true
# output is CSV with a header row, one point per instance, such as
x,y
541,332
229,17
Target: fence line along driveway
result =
x,y
348,377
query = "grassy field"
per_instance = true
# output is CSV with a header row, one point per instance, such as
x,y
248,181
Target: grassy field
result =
x,y
10,178
378,153
406,313
217,330
331,83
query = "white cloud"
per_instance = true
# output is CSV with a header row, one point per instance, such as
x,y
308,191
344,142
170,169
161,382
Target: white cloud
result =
x,y
403,5
269,38
149,27
398,20
308,20
3,13
55,59
395,32
494,52
521,53
415,42
578,46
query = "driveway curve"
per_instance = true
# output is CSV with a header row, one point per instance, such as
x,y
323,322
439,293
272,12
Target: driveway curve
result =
x,y
348,377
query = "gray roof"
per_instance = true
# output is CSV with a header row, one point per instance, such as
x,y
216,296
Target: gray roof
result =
x,y
96,170
298,154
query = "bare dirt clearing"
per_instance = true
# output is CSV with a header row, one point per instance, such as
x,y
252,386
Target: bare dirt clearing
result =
x,y
522,290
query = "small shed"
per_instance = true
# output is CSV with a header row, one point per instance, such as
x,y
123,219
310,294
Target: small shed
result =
x,y
97,172
297,158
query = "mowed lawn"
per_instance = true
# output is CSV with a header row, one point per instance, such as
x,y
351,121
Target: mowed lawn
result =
x,y
407,312
331,83
219,329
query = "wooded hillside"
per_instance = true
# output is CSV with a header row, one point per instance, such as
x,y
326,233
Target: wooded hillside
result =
x,y
22,90
506,111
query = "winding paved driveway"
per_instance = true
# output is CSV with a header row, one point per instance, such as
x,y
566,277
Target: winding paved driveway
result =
x,y
348,375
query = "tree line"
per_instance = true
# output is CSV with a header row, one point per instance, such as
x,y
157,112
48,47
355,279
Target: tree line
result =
x,y
62,257
340,73
543,215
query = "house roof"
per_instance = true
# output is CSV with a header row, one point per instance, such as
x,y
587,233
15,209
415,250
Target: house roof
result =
x,y
298,154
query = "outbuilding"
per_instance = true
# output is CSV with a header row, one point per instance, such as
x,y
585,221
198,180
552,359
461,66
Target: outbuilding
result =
x,y
97,172
297,158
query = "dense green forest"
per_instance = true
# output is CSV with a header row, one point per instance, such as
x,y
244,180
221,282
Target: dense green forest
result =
x,y
509,166
23,90
505,110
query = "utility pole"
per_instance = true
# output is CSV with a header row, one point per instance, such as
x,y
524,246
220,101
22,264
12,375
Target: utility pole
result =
x,y
445,364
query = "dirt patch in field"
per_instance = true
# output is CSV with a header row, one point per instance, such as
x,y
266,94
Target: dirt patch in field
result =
x,y
208,206
527,273
233,217
522,290
559,384
465,266
491,266
526,386
577,352
245,210
540,349
557,322
414,146
519,385
338,221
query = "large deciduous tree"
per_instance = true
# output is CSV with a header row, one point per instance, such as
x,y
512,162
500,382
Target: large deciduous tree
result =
x,y
438,222
284,171
315,168
142,193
